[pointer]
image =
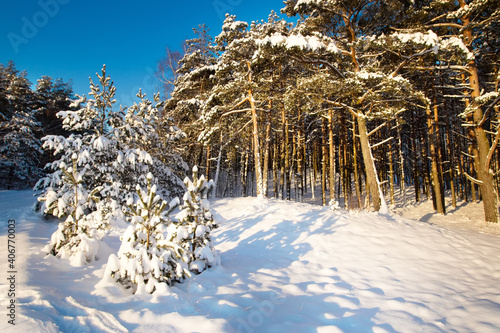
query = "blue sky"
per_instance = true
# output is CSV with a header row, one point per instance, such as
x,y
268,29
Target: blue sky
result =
x,y
72,39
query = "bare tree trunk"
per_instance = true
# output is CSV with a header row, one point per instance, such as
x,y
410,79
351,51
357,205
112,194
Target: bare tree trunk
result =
x,y
311,172
323,162
244,173
207,171
436,182
485,174
292,166
371,172
267,145
402,180
299,181
288,179
483,160
416,176
217,170
332,156
451,154
276,178
256,144
357,180
391,174
344,164
426,185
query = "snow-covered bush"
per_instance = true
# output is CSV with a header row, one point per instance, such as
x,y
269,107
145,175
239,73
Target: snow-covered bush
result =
x,y
195,221
146,258
334,205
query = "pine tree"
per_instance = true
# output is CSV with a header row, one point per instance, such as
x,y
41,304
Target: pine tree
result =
x,y
75,238
20,150
20,147
52,96
15,91
195,221
91,179
109,158
146,258
192,87
147,129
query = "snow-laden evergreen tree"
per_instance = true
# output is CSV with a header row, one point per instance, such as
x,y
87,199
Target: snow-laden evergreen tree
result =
x,y
52,96
15,91
146,127
20,150
194,223
20,147
192,88
77,237
243,88
107,165
108,153
104,167
146,258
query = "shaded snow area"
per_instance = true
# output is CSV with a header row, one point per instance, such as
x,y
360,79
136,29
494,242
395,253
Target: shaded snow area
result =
x,y
467,216
286,267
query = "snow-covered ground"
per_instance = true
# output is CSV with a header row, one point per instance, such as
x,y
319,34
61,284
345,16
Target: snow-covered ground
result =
x,y
286,267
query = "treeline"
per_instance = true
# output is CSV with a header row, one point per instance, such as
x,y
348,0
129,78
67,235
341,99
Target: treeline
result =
x,y
27,115
369,97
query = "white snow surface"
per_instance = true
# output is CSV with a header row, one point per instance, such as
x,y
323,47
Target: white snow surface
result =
x,y
285,267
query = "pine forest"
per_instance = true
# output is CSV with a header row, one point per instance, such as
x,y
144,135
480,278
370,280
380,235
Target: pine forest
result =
x,y
334,167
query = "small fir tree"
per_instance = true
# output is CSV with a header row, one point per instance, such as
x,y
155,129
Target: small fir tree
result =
x,y
109,152
146,258
76,238
195,221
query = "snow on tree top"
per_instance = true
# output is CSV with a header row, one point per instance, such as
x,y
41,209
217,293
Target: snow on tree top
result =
x,y
101,143
306,2
310,43
429,39
367,75
457,43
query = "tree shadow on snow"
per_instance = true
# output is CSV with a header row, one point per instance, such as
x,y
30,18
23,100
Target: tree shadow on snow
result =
x,y
256,288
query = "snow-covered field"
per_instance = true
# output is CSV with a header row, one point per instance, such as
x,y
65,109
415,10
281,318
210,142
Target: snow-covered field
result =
x,y
286,267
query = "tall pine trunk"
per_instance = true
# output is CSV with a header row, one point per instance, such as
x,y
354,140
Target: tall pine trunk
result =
x,y
256,143
371,172
436,180
332,156
483,159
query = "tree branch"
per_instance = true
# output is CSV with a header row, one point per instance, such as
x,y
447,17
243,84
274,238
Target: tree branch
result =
x,y
441,68
381,142
408,59
377,128
445,25
305,59
472,179
492,105
347,107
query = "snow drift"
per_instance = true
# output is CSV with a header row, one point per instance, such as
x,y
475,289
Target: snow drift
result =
x,y
285,267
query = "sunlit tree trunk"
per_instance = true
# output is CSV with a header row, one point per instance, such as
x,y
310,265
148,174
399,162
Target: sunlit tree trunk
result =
x,y
371,173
